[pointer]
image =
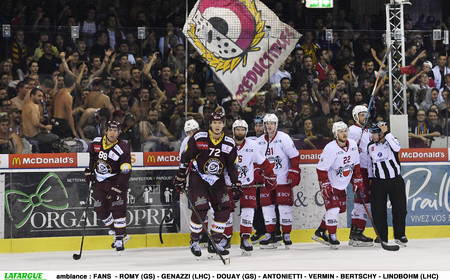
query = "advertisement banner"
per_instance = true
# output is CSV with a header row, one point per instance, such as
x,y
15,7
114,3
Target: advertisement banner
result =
x,y
62,160
43,204
161,159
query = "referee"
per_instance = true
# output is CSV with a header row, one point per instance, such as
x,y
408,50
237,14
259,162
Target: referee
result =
x,y
386,181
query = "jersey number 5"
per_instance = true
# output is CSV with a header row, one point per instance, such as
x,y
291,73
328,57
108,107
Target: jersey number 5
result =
x,y
214,152
346,159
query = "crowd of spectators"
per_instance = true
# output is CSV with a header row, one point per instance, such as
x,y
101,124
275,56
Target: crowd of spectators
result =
x,y
55,89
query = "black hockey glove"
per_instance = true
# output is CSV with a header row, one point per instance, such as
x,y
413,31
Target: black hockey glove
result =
x,y
236,190
89,175
179,181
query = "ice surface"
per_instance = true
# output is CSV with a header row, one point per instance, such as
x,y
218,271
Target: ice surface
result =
x,y
420,255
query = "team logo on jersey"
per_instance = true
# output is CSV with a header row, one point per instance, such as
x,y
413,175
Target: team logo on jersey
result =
x,y
97,148
201,200
276,161
213,166
344,171
242,171
380,154
103,167
225,198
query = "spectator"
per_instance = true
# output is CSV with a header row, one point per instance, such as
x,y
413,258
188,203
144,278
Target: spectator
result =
x,y
22,90
166,85
33,130
88,27
346,108
19,50
307,75
10,142
278,75
309,47
420,134
63,123
154,135
176,59
92,123
440,70
119,116
15,121
101,44
323,65
48,63
430,99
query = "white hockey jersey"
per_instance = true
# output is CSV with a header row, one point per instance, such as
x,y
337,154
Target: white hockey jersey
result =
x,y
248,154
339,163
281,149
354,133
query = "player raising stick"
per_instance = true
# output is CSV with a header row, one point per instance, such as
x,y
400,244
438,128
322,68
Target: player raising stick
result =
x,y
249,154
338,165
284,157
359,215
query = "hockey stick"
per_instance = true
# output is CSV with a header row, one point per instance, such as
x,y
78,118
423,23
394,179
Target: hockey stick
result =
x,y
164,219
78,256
373,92
225,262
251,186
385,246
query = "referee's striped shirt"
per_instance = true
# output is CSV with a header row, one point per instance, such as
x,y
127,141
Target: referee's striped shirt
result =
x,y
384,156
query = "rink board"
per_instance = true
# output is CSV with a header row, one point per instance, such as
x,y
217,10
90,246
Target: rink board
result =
x,y
43,207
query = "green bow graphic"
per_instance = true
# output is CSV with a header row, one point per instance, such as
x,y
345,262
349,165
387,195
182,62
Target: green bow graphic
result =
x,y
37,199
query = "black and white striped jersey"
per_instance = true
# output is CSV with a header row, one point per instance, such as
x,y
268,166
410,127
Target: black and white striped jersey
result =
x,y
384,156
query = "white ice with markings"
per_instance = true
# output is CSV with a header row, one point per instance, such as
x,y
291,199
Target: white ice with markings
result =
x,y
420,255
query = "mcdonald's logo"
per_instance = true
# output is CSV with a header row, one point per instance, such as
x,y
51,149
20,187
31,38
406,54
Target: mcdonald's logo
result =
x,y
16,161
151,158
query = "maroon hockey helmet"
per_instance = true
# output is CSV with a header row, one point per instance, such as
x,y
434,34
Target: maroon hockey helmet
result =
x,y
218,115
113,124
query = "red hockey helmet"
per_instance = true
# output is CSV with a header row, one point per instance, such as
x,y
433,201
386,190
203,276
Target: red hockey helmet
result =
x,y
218,115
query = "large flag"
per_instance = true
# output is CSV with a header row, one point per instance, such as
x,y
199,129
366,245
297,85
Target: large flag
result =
x,y
243,41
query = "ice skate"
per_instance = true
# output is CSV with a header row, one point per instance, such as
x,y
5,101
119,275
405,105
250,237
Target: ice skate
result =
x,y
278,238
221,250
287,240
269,241
256,238
402,241
358,239
334,243
321,236
118,243
203,240
124,240
246,247
196,249
225,243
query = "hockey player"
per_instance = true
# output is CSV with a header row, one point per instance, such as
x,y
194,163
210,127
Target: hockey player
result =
x,y
190,127
249,154
384,169
258,219
211,153
359,216
110,170
280,150
338,165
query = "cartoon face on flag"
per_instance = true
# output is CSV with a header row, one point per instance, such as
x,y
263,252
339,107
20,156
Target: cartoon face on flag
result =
x,y
243,42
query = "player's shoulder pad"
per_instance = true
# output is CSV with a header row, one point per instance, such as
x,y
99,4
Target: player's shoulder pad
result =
x,y
97,139
229,140
200,134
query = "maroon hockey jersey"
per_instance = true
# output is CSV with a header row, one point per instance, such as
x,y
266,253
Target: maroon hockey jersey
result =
x,y
110,162
212,157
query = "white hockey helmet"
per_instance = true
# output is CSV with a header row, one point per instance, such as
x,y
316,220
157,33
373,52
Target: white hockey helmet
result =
x,y
240,123
358,109
338,126
191,125
271,118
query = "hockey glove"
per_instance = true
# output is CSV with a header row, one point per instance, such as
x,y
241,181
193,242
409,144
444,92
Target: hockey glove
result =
x,y
114,193
270,181
179,181
357,183
89,175
294,177
326,189
236,190
259,178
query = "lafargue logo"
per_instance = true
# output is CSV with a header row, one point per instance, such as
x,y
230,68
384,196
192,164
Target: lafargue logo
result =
x,y
226,31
